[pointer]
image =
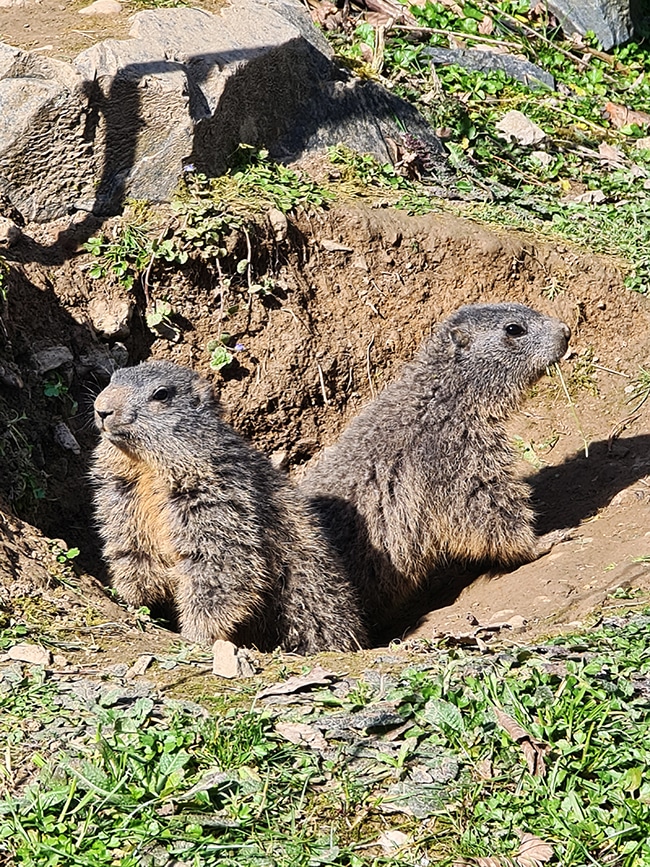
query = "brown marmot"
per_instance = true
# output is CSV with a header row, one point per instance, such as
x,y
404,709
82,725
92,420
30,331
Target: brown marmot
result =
x,y
422,482
192,516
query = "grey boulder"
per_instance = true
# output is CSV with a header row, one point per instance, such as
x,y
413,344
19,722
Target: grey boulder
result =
x,y
186,88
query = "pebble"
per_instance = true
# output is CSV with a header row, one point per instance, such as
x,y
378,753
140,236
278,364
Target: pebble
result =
x,y
32,653
102,7
231,661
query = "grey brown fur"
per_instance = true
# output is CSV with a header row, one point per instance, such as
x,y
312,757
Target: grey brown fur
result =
x,y
193,516
422,481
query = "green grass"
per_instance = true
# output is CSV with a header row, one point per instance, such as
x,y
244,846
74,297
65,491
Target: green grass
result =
x,y
141,781
518,189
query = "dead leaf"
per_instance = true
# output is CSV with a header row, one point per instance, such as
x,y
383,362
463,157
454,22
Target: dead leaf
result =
x,y
610,155
515,125
484,769
620,115
303,734
533,750
392,10
318,676
533,851
392,840
591,197
486,26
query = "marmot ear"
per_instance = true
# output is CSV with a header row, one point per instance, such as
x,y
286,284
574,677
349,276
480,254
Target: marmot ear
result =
x,y
460,337
203,392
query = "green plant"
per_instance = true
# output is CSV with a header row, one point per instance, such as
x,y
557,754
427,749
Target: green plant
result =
x,y
222,353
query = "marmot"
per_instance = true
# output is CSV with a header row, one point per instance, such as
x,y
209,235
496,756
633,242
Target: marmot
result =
x,y
192,516
422,482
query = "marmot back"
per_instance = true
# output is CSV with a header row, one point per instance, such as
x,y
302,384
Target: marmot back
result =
x,y
192,516
423,478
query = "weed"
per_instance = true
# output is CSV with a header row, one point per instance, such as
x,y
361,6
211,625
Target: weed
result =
x,y
222,353
24,481
4,275
538,189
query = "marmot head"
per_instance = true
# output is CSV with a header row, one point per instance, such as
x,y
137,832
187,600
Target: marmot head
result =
x,y
495,352
154,408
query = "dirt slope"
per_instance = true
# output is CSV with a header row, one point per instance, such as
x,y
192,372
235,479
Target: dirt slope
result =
x,y
354,293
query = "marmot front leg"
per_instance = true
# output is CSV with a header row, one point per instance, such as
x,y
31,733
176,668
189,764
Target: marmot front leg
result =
x,y
220,598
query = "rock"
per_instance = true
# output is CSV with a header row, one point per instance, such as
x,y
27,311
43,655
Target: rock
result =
x,y
543,158
139,667
485,61
642,144
278,223
610,20
125,116
110,317
10,233
97,361
64,437
280,459
10,375
31,653
51,358
515,125
102,7
231,661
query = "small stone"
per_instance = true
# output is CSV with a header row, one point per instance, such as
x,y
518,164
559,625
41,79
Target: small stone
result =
x,y
544,159
280,459
334,246
392,840
32,653
231,661
279,224
59,661
139,667
515,125
51,358
102,7
10,233
10,376
642,144
111,317
64,437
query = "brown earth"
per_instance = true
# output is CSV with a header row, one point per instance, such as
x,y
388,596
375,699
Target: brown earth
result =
x,y
355,290
55,28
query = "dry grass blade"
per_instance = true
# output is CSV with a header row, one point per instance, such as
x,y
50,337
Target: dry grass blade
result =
x,y
556,368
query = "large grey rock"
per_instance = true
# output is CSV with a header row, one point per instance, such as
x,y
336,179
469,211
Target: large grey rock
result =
x,y
477,60
186,88
610,20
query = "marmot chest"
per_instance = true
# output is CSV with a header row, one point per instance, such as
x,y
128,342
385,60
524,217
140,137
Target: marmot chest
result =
x,y
151,513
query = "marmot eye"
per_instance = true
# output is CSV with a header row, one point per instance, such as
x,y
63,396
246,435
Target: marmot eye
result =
x,y
514,330
161,393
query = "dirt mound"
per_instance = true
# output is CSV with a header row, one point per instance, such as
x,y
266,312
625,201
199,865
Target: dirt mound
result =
x,y
349,297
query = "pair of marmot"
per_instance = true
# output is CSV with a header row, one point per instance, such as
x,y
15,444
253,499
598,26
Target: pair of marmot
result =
x,y
192,516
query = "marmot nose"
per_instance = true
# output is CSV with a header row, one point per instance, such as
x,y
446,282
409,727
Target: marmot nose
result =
x,y
566,331
104,413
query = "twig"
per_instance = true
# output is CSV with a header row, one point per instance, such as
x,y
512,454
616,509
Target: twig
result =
x,y
609,370
322,384
629,419
368,368
434,31
572,405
